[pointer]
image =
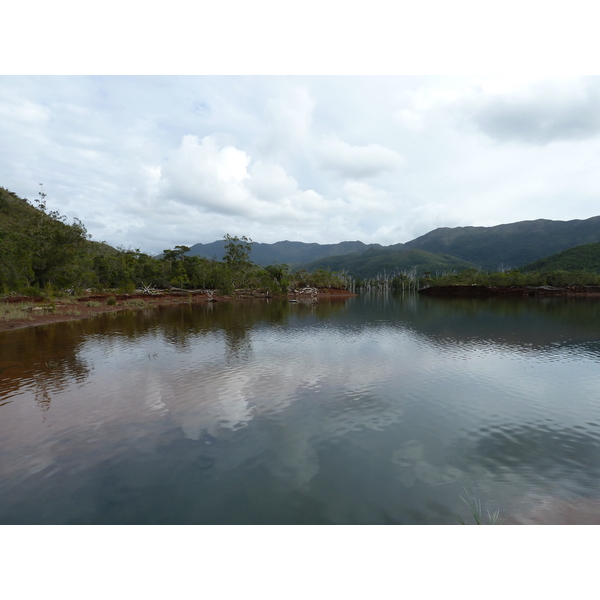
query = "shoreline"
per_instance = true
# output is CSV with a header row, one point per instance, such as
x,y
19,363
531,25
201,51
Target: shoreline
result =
x,y
47,311
488,291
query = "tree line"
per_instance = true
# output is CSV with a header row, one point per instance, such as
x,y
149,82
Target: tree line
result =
x,y
516,277
41,252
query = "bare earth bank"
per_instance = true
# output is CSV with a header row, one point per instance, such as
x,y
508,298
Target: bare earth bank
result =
x,y
47,311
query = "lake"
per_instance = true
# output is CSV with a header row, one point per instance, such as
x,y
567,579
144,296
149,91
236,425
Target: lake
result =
x,y
377,409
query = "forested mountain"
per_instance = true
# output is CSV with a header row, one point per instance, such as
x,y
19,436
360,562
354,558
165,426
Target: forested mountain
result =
x,y
489,248
390,260
508,246
579,258
294,254
39,248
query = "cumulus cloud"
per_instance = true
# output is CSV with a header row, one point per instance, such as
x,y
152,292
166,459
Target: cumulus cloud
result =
x,y
270,182
538,113
220,179
357,161
203,174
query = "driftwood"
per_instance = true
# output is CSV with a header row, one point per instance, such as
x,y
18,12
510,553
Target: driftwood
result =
x,y
147,289
194,292
308,290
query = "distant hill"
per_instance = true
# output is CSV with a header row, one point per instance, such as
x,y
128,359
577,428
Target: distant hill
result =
x,y
293,254
512,245
379,261
488,248
579,258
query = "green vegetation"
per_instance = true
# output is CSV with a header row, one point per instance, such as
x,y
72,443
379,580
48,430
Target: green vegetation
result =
x,y
580,258
43,255
512,245
39,249
294,254
515,278
502,247
474,505
15,312
380,262
137,302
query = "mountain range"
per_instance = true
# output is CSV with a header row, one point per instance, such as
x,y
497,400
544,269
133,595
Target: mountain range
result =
x,y
500,247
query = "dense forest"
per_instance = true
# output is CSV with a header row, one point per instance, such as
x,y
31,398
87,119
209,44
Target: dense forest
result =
x,y
559,278
573,267
580,258
41,253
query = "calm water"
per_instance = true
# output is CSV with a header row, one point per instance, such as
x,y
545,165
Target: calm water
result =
x,y
376,409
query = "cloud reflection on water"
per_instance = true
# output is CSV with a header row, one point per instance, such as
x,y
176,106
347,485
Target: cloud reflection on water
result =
x,y
421,396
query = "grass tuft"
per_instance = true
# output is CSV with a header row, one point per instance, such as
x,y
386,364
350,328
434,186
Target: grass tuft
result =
x,y
474,505
136,302
15,312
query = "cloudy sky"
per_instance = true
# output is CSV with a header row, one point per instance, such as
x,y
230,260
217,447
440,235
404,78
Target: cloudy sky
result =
x,y
151,161
155,161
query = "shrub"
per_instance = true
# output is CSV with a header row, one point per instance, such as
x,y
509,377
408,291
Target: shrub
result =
x,y
127,287
31,291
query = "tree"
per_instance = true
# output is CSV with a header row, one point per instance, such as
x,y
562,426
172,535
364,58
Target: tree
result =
x,y
237,259
59,249
176,254
237,251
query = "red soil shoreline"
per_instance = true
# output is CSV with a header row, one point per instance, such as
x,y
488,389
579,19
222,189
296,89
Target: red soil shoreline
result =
x,y
77,308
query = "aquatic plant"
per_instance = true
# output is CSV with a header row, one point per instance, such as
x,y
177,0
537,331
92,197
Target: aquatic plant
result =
x,y
474,505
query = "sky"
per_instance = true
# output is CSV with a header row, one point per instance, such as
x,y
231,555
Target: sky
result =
x,y
368,146
151,162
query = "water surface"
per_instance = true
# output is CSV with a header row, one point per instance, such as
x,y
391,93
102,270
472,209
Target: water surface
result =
x,y
376,409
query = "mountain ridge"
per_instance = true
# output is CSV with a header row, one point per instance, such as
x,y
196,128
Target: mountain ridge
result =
x,y
499,247
287,252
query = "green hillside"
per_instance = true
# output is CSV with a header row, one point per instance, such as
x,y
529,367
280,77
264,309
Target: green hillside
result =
x,y
509,246
38,247
580,258
42,254
293,254
501,247
377,261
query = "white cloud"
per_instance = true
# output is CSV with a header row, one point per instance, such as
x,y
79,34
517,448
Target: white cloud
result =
x,y
220,180
357,161
270,182
536,113
365,199
155,162
410,119
205,175
289,117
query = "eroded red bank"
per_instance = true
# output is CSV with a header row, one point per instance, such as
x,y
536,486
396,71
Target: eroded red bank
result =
x,y
47,311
